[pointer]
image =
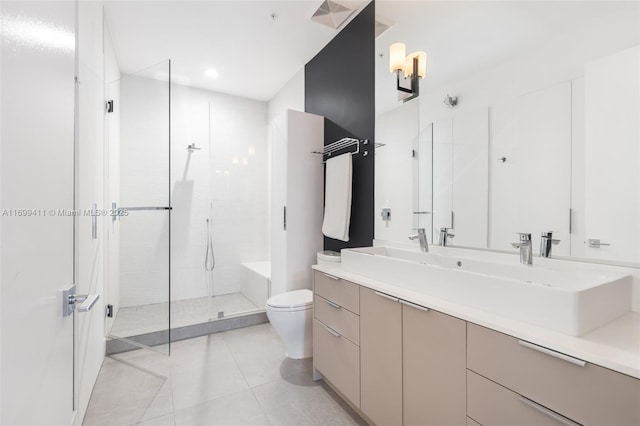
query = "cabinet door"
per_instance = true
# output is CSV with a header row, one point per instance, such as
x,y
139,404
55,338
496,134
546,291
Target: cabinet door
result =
x,y
434,357
380,358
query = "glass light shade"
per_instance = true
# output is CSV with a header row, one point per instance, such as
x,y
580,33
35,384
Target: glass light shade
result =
x,y
397,52
422,64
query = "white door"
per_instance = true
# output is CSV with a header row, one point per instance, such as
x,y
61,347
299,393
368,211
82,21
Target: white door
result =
x,y
89,231
612,156
37,177
542,155
279,135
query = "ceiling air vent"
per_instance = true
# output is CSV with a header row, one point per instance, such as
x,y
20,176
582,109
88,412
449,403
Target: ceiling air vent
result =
x,y
331,14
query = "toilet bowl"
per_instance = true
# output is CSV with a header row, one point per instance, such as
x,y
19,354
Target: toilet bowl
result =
x,y
291,315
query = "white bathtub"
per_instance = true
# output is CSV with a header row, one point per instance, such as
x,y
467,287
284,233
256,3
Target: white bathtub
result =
x,y
256,285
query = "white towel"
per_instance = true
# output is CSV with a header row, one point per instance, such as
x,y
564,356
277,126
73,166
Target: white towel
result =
x,y
337,198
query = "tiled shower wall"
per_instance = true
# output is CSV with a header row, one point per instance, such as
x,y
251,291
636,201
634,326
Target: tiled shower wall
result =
x,y
228,174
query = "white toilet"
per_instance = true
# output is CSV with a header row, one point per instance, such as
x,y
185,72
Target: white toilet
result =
x,y
291,315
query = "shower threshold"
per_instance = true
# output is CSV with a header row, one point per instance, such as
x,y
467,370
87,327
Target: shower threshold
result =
x,y
147,324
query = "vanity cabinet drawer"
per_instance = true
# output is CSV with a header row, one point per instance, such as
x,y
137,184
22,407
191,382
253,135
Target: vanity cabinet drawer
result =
x,y
584,392
338,360
336,317
337,290
494,405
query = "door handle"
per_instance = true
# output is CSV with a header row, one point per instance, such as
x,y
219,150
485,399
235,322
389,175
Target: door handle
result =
x,y
88,301
554,354
333,305
558,417
386,296
595,243
415,306
332,331
70,300
117,212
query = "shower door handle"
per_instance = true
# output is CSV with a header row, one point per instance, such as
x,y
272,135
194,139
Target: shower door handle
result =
x,y
146,208
117,212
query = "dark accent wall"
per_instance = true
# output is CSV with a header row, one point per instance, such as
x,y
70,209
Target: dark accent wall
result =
x,y
340,85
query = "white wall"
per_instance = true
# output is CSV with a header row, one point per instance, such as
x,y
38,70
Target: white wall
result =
x,y
290,96
236,165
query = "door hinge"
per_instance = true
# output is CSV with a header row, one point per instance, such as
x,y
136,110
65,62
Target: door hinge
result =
x,y
109,310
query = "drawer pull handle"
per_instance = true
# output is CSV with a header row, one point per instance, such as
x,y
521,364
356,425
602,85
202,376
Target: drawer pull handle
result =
x,y
332,277
555,354
413,305
332,331
333,305
386,296
557,417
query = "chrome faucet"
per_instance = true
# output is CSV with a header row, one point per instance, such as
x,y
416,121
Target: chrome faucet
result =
x,y
422,237
546,243
444,236
526,255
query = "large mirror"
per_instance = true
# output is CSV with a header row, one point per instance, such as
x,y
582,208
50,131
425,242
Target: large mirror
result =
x,y
527,120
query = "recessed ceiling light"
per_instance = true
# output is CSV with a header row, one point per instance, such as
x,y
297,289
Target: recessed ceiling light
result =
x,y
211,73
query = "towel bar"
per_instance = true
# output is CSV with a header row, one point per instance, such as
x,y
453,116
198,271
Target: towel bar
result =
x,y
344,143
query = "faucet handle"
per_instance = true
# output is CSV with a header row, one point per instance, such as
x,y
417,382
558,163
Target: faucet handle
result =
x,y
524,236
549,236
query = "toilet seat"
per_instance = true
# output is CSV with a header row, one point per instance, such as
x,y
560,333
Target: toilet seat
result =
x,y
298,300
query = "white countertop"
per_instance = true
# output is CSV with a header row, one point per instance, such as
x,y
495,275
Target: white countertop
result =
x,y
615,345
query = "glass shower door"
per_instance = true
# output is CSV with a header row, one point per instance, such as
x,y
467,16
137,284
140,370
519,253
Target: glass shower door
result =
x,y
139,256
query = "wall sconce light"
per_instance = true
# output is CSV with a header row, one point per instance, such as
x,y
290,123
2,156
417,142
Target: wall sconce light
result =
x,y
409,69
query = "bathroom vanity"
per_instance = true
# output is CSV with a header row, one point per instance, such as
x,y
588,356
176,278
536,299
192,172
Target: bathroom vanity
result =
x,y
405,352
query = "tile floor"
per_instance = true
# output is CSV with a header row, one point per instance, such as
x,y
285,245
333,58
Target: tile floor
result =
x,y
135,320
239,377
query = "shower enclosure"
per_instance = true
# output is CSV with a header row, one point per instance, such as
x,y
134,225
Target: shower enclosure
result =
x,y
188,244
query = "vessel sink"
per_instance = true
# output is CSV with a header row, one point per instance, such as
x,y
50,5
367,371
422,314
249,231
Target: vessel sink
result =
x,y
573,300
